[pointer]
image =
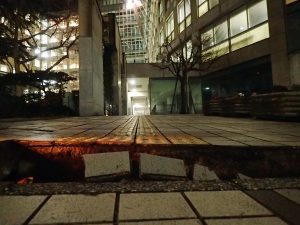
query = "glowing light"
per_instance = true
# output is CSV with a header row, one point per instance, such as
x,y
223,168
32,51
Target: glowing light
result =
x,y
132,82
138,106
133,4
37,51
45,55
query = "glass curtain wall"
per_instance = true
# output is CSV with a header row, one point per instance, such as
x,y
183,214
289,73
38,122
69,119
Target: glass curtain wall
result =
x,y
162,94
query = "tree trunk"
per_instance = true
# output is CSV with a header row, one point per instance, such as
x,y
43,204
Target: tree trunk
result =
x,y
183,92
16,49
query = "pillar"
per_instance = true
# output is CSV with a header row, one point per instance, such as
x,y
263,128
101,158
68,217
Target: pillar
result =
x,y
278,44
91,95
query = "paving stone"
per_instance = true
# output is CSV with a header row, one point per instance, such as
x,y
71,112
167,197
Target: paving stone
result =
x,y
154,206
247,221
164,166
17,209
280,205
103,164
225,203
165,222
76,209
292,194
204,173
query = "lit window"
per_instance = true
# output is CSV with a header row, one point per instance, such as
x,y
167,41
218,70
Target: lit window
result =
x,y
37,63
180,12
213,3
3,68
44,65
183,14
258,13
221,32
250,37
238,23
207,39
170,27
53,40
73,23
161,38
45,55
187,51
44,39
74,66
205,5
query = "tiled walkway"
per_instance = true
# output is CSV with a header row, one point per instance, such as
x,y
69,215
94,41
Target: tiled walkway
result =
x,y
148,130
242,204
175,208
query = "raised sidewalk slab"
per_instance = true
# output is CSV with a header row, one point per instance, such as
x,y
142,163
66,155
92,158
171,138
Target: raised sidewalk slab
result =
x,y
106,165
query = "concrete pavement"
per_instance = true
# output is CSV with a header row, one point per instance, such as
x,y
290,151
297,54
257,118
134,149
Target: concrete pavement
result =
x,y
234,207
204,139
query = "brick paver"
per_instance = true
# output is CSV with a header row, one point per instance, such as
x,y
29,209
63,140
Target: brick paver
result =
x,y
292,194
76,208
17,209
154,206
165,222
226,203
247,221
191,208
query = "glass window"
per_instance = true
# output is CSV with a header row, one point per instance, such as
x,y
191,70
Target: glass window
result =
x,y
250,37
180,12
221,32
162,38
213,3
170,25
203,7
160,8
238,23
258,13
187,51
207,39
162,92
187,7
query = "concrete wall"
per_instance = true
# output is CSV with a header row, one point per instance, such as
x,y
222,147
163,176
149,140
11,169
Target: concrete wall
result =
x,y
146,70
91,97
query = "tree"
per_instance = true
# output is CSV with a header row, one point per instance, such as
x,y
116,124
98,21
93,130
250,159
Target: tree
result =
x,y
24,22
42,94
183,56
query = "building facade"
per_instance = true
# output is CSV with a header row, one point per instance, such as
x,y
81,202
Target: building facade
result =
x,y
257,42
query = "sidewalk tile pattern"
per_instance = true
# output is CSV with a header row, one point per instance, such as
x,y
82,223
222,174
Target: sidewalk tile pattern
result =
x,y
226,203
76,208
17,209
165,222
292,194
154,206
247,221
